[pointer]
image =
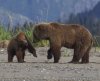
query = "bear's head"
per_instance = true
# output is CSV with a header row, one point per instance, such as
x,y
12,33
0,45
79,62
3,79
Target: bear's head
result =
x,y
42,31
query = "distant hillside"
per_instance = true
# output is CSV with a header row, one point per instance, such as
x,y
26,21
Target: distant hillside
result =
x,y
91,19
96,11
47,10
12,19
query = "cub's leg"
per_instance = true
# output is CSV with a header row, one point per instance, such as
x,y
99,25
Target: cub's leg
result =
x,y
23,55
19,55
10,57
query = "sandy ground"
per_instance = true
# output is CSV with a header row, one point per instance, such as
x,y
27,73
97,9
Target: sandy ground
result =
x,y
38,69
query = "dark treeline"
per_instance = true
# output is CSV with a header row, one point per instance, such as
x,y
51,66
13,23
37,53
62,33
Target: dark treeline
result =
x,y
89,21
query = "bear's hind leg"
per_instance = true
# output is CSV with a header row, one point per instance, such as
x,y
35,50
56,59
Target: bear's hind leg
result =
x,y
82,53
85,58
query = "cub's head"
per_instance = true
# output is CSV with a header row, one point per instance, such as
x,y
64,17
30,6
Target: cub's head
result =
x,y
24,42
21,38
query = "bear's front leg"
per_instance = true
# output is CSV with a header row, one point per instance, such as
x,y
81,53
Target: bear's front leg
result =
x,y
55,47
56,53
75,56
49,56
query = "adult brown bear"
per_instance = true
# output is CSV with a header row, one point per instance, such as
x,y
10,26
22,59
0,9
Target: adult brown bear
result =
x,y
17,46
72,36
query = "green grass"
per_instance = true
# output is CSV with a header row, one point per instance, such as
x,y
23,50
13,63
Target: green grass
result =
x,y
8,35
4,34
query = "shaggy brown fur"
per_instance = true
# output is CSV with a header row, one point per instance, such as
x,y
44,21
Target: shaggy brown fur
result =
x,y
17,46
72,36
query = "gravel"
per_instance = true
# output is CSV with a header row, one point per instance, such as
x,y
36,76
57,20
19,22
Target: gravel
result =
x,y
40,69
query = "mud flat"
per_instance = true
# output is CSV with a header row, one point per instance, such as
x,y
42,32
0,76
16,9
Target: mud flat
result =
x,y
39,69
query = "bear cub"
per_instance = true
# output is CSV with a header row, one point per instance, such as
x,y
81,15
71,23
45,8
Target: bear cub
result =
x,y
17,47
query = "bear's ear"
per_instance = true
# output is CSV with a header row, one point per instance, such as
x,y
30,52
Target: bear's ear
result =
x,y
54,24
42,27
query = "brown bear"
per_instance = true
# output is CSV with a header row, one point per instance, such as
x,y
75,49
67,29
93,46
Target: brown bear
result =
x,y
17,46
72,36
